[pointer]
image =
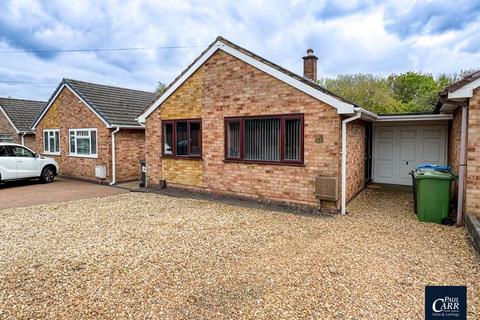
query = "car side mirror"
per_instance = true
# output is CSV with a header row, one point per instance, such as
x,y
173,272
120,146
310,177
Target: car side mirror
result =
x,y
37,155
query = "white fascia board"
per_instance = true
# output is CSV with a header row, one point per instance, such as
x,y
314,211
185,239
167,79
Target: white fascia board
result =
x,y
113,126
55,98
9,121
466,91
418,117
341,106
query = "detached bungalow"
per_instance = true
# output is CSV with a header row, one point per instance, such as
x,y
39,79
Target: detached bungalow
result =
x,y
92,132
236,123
239,124
16,120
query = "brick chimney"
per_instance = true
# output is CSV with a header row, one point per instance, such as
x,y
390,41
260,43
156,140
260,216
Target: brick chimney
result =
x,y
310,65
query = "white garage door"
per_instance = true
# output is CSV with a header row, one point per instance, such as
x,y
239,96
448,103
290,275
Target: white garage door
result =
x,y
398,149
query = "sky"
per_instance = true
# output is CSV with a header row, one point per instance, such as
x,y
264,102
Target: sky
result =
x,y
348,36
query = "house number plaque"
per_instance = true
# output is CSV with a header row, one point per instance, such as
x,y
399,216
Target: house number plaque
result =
x,y
319,138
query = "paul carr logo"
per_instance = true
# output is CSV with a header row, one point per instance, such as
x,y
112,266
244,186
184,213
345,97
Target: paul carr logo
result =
x,y
446,302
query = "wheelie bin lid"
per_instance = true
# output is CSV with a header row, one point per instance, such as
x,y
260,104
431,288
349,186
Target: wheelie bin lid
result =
x,y
431,166
432,174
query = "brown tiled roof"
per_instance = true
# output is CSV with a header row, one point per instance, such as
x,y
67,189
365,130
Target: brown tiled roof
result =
x,y
464,81
22,113
262,60
117,106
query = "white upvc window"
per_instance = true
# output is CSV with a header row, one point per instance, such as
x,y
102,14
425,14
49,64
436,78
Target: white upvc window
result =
x,y
6,137
51,141
83,142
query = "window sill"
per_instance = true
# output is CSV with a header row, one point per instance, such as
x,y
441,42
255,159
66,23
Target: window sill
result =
x,y
166,156
83,156
51,153
275,163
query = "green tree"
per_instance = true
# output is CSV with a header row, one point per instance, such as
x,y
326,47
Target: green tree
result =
x,y
417,91
160,87
368,91
402,93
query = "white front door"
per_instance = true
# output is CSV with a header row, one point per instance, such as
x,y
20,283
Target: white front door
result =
x,y
398,149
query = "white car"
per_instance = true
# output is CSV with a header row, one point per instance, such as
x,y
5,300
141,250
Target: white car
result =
x,y
19,162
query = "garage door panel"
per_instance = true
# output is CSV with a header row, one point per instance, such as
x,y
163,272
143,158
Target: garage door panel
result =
x,y
432,133
385,133
386,171
431,152
385,150
408,151
408,134
404,172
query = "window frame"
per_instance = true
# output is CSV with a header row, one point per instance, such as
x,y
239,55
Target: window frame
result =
x,y
282,118
3,138
45,151
75,154
174,138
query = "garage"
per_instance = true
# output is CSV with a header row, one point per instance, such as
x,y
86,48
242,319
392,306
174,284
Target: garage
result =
x,y
399,147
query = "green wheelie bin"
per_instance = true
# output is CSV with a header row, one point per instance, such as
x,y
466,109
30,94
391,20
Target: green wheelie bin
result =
x,y
433,195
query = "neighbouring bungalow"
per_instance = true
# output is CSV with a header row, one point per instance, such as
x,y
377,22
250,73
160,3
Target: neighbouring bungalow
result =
x,y
92,132
16,120
235,123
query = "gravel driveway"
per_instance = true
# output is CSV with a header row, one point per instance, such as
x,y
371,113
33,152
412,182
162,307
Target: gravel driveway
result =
x,y
153,256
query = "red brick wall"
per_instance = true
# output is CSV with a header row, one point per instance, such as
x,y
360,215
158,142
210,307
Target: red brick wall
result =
x,y
68,112
29,141
234,88
153,148
130,149
473,156
6,127
355,158
454,136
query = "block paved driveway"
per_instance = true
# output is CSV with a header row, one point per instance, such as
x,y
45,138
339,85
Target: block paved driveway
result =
x,y
28,193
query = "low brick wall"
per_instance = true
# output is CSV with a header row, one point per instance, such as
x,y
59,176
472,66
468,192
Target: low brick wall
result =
x,y
472,224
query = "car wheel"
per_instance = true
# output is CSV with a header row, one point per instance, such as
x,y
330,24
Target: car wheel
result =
x,y
47,175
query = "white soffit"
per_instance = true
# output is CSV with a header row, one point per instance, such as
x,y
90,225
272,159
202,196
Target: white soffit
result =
x,y
466,91
415,117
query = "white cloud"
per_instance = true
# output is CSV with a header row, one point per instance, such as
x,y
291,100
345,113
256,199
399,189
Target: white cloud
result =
x,y
348,36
